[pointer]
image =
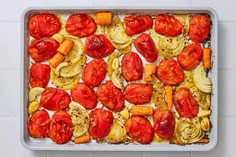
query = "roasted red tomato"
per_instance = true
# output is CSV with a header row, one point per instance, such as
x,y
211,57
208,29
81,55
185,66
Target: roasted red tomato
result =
x,y
199,28
39,124
54,99
60,130
94,72
138,93
110,96
43,49
190,57
84,95
132,67
136,24
169,72
168,25
80,25
39,75
164,123
98,46
139,129
100,123
146,47
185,104
44,25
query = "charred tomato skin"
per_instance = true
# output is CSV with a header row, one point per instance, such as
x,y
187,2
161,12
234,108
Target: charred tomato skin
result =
x,y
164,123
98,46
199,28
167,25
190,57
94,72
170,72
60,130
132,67
54,99
43,25
38,125
43,49
80,25
39,75
138,93
110,96
101,121
146,47
84,95
185,104
136,24
139,129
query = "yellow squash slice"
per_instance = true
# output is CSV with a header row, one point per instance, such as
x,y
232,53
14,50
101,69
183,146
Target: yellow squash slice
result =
x,y
80,119
65,83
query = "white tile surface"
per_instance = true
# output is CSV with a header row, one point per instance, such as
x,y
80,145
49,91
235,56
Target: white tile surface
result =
x,y
9,92
226,140
72,3
224,8
141,3
118,154
69,154
227,53
11,10
10,13
167,154
227,90
10,45
10,140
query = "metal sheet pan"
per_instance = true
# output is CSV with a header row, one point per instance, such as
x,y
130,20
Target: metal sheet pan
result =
x,y
38,144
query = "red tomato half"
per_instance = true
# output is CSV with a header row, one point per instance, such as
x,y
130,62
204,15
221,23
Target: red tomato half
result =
x,y
199,28
146,47
60,130
139,129
169,72
138,93
168,25
39,75
39,124
100,123
164,123
94,72
84,95
132,67
54,99
185,104
43,49
98,46
80,25
44,25
110,96
136,24
190,57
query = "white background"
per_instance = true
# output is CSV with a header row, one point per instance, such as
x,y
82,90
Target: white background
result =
x,y
10,50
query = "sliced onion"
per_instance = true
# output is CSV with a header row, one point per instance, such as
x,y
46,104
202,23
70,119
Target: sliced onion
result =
x,y
189,130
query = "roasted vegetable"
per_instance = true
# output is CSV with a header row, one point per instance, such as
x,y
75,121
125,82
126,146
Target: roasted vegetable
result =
x,y
170,46
188,130
201,80
117,133
80,119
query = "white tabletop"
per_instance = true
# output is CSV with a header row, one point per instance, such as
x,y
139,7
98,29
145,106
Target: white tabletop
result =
x,y
10,49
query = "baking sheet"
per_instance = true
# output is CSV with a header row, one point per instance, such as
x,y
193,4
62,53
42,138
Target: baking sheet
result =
x,y
42,144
